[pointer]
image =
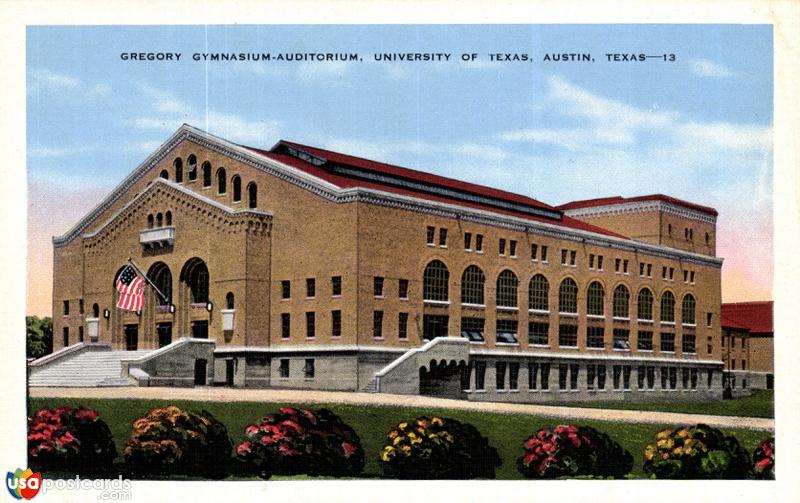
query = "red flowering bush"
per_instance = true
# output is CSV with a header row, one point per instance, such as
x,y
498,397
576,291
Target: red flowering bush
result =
x,y
299,441
438,448
764,459
696,452
570,451
170,441
68,439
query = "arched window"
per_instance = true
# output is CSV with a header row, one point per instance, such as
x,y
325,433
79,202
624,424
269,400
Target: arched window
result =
x,y
538,292
229,300
645,301
568,296
688,310
668,307
178,165
594,299
159,220
435,281
161,277
206,174
507,289
150,221
621,302
191,162
95,311
164,174
472,282
195,274
237,188
252,195
168,217
222,186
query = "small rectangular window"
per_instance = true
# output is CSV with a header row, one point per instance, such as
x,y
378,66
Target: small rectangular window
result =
x,y
671,273
506,331
480,376
479,242
402,326
591,261
574,370
80,333
644,340
66,308
649,270
668,342
533,373
710,345
512,248
691,277
744,365
626,377
513,376
286,289
616,374
534,250
336,286
377,286
283,370
80,306
601,377
308,369
377,324
443,237
545,381
336,323
599,262
468,241
431,234
538,333
544,253
286,328
664,272
640,374
402,289
617,263
590,374
685,276
502,246
621,339
310,325
625,266
688,344
564,256
594,337
568,335
709,318
563,374
311,288
641,269
572,257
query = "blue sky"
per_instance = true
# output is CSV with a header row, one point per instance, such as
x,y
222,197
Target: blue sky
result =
x,y
699,128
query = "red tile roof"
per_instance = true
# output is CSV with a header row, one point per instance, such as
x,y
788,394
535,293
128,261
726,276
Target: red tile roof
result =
x,y
344,181
620,200
757,316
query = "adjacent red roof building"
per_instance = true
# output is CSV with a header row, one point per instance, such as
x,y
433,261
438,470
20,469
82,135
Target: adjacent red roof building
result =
x,y
755,316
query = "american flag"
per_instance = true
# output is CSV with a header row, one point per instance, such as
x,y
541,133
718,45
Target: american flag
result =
x,y
131,290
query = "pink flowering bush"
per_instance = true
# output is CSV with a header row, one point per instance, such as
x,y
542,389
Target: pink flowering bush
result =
x,y
169,440
571,451
68,439
764,459
299,441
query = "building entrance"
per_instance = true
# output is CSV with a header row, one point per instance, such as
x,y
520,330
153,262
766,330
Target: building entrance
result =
x,y
131,337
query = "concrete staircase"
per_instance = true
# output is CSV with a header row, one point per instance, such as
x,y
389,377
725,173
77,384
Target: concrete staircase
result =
x,y
88,368
371,387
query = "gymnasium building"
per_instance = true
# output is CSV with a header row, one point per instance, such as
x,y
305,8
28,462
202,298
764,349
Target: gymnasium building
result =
x,y
298,267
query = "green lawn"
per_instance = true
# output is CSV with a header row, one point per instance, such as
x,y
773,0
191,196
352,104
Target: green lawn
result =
x,y
506,432
759,404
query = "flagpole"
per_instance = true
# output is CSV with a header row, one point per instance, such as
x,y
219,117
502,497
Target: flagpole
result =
x,y
139,270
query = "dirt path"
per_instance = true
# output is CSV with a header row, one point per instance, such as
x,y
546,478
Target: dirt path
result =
x,y
304,396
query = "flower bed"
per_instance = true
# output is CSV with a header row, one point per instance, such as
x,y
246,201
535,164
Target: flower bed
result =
x,y
438,448
764,459
68,439
299,441
571,451
169,441
696,452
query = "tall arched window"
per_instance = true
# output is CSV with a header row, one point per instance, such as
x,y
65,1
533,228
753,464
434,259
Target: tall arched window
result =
x,y
252,195
594,299
178,165
472,281
538,292
435,281
621,302
150,221
229,300
161,277
688,310
507,284
568,296
164,174
206,174
159,220
195,274
237,188
168,218
645,302
222,182
668,307
191,162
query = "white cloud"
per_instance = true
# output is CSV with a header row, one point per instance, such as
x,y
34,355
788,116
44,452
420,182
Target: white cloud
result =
x,y
54,80
45,80
43,152
100,89
164,101
706,68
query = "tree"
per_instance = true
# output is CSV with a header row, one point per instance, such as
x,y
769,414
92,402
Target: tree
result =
x,y
40,336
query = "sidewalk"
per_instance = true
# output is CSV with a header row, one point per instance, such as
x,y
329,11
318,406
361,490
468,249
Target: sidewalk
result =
x,y
383,399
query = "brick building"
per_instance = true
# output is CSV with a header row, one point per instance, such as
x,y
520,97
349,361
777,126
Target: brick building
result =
x,y
747,345
297,267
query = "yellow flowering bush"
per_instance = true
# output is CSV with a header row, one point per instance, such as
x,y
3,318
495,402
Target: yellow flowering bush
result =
x,y
696,452
438,448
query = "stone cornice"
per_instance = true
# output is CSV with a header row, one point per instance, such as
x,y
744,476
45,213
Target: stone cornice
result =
x,y
641,207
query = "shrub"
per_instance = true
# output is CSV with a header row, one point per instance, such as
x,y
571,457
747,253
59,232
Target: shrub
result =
x,y
299,441
764,459
438,448
696,452
169,441
67,439
573,451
